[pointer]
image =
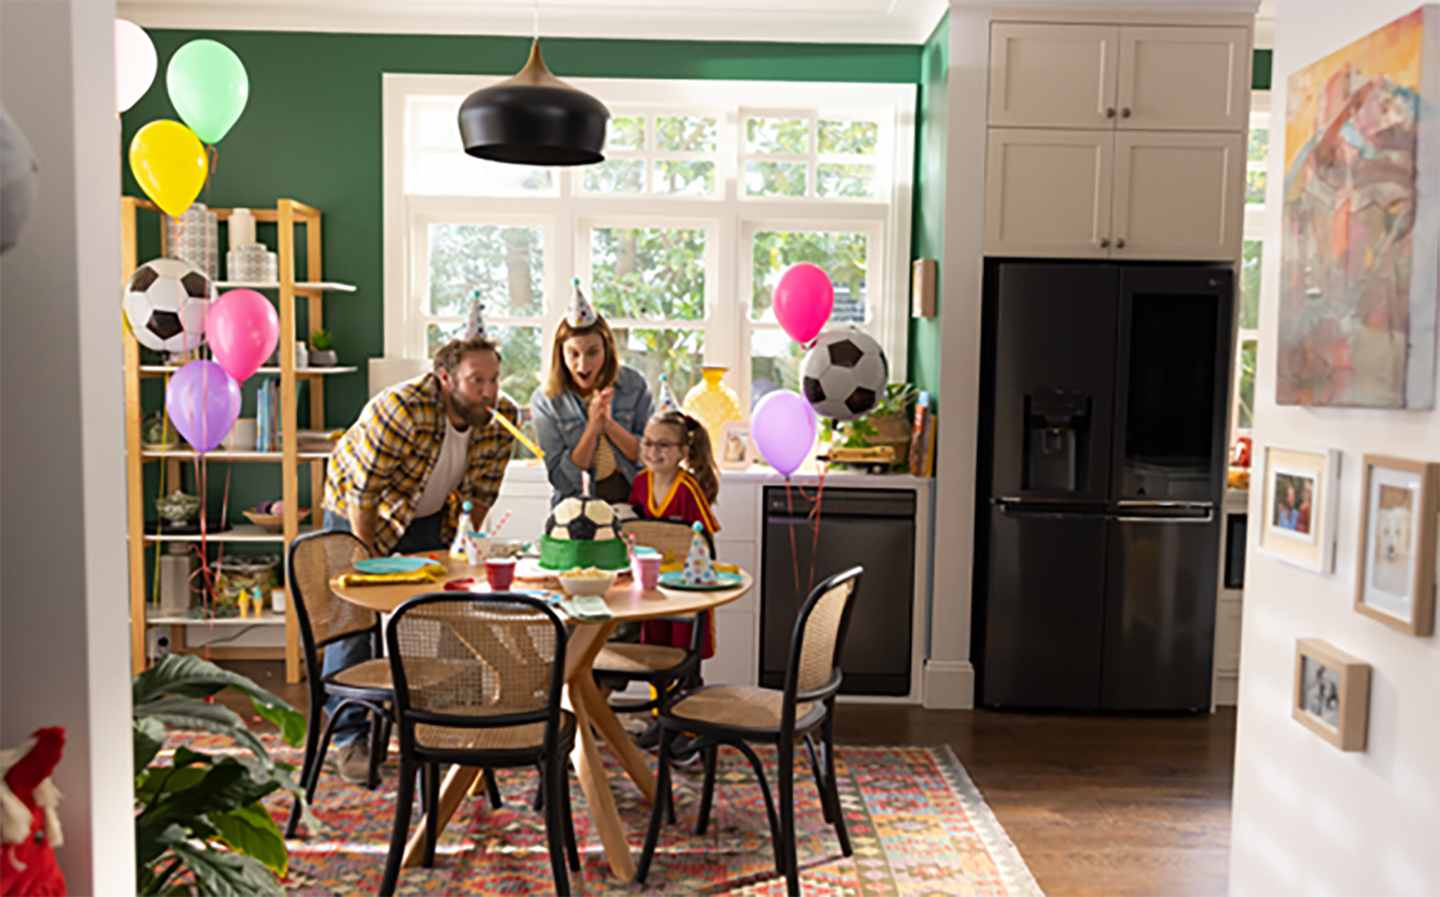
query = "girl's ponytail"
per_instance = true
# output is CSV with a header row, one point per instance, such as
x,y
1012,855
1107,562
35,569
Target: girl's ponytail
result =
x,y
700,458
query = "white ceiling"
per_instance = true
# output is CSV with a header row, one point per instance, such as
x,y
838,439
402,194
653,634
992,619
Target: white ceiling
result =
x,y
810,21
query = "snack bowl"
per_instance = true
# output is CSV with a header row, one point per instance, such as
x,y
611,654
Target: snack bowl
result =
x,y
270,515
507,548
586,581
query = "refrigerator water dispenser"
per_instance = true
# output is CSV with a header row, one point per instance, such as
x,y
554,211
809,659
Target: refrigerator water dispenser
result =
x,y
1057,436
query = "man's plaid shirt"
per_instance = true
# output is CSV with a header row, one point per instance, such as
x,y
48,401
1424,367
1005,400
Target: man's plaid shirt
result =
x,y
384,459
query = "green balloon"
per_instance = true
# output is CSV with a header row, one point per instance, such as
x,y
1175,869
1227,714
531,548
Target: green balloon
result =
x,y
208,87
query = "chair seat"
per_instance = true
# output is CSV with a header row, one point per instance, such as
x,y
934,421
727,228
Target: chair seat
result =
x,y
743,707
368,674
629,659
503,738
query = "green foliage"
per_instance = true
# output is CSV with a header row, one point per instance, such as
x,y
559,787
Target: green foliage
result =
x,y
322,340
858,432
200,828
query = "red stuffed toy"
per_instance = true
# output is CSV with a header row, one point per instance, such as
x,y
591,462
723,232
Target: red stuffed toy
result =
x,y
29,826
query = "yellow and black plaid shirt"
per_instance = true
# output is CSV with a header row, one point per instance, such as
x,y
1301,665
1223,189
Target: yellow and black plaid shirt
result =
x,y
384,459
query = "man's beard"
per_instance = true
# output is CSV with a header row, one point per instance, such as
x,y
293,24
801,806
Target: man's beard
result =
x,y
478,414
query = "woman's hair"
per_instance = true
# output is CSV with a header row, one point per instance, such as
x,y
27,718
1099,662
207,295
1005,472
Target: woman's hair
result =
x,y
699,458
558,379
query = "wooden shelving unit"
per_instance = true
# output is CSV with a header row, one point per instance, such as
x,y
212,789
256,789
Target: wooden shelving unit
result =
x,y
289,216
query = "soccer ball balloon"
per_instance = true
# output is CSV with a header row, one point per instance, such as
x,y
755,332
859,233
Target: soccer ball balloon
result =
x,y
165,302
582,519
844,374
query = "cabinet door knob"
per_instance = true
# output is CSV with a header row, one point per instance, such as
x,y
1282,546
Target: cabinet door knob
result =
x,y
1120,243
1125,112
1109,111
1104,242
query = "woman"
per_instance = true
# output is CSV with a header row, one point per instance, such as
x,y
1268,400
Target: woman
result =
x,y
592,410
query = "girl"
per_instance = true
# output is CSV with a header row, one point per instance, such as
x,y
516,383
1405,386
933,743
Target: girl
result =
x,y
592,409
680,482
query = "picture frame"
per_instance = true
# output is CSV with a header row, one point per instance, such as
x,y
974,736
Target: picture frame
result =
x,y
1299,506
1331,695
1396,559
737,452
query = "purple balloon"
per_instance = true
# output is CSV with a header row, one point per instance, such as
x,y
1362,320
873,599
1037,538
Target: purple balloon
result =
x,y
203,402
783,426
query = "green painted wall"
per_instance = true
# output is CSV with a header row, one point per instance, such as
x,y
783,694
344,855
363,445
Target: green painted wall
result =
x,y
927,232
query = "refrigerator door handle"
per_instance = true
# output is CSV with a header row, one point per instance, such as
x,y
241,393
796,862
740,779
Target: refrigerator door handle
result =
x,y
1148,503
1209,516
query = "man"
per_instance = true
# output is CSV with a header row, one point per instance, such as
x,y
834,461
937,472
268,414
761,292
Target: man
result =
x,y
400,475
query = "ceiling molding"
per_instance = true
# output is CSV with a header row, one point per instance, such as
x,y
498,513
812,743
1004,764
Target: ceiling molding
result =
x,y
787,21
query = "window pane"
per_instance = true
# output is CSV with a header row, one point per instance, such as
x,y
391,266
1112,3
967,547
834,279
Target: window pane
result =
x,y
626,132
1251,256
844,181
774,362
780,136
857,137
505,264
686,134
1259,144
656,351
693,178
1245,414
843,255
1255,187
775,178
452,173
615,176
648,273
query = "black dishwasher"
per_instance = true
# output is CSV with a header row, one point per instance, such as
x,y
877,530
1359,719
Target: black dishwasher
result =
x,y
874,528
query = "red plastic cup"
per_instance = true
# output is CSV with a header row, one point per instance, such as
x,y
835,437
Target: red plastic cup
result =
x,y
646,570
500,572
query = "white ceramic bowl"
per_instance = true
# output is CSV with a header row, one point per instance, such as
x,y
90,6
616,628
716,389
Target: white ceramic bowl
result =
x,y
507,548
587,585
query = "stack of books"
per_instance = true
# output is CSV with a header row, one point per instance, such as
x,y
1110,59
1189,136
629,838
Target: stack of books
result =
x,y
922,438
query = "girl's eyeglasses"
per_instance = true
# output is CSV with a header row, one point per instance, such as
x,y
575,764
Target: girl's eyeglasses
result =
x,y
648,444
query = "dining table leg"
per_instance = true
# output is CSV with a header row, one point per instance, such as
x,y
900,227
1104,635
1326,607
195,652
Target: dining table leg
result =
x,y
453,791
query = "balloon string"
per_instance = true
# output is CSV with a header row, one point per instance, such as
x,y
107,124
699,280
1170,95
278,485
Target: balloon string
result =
x,y
794,549
212,154
815,526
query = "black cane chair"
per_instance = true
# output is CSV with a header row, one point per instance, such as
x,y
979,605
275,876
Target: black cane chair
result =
x,y
477,682
738,715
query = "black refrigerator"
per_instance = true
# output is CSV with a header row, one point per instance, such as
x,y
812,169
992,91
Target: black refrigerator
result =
x,y
1102,458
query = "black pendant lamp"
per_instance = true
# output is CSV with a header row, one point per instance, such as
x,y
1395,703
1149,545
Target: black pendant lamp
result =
x,y
534,118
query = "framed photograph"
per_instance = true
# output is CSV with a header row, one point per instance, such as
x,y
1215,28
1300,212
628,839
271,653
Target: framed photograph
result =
x,y
1299,505
1395,573
736,451
1332,694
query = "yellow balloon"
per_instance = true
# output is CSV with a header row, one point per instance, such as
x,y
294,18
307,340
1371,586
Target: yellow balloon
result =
x,y
169,163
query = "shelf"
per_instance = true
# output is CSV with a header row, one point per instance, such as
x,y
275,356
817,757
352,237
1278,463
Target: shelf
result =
x,y
224,455
154,370
241,532
267,619
301,286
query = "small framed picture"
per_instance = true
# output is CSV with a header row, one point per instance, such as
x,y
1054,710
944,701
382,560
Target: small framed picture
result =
x,y
1395,573
1299,506
736,452
1332,694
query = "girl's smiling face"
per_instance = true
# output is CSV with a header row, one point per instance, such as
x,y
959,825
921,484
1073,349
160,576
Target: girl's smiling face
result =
x,y
584,359
662,447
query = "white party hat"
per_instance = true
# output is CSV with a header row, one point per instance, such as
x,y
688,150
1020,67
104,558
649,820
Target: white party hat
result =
x,y
582,313
699,568
475,326
665,399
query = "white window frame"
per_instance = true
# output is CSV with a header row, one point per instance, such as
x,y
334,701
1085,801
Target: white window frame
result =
x,y
728,216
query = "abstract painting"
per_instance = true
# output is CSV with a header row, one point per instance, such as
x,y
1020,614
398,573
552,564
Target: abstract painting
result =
x,y
1359,270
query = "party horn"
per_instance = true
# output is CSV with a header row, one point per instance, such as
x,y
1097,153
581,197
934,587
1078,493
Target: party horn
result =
x,y
515,431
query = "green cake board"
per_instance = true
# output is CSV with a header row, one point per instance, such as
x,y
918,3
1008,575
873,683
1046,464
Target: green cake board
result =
x,y
565,554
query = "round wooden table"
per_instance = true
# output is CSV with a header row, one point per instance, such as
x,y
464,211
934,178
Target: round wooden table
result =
x,y
593,716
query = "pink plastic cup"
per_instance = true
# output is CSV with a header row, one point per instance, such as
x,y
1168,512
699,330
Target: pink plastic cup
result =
x,y
646,570
500,572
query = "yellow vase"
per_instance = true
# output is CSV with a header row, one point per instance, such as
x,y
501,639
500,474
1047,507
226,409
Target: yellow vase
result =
x,y
713,404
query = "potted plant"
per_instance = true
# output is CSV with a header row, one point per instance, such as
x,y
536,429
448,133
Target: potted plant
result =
x,y
322,349
888,423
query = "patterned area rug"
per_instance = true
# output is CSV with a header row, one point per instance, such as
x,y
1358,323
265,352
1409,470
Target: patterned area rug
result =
x,y
917,824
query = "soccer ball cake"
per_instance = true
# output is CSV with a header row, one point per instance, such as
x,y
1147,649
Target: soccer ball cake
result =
x,y
582,532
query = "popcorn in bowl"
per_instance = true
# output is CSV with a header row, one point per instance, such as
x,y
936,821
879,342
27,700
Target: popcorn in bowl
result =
x,y
586,581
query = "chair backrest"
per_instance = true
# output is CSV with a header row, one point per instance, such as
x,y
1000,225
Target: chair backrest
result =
x,y
819,636
669,537
316,558
467,660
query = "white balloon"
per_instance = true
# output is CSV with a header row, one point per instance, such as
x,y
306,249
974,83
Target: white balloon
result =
x,y
135,63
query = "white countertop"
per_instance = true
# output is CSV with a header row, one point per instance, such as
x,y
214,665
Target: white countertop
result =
x,y
533,472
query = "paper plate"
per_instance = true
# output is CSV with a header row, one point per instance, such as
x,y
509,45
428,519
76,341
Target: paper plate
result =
x,y
676,580
397,564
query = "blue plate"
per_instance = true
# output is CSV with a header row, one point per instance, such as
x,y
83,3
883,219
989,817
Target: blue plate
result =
x,y
392,564
675,579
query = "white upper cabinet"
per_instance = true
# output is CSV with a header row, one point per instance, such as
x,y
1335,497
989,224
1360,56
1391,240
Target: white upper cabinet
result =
x,y
1183,79
1047,192
1044,76
1176,195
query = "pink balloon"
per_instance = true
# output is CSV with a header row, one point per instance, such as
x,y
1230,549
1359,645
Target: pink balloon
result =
x,y
783,426
242,329
804,298
203,402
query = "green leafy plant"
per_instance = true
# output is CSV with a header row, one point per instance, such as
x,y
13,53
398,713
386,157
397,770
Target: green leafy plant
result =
x,y
200,828
322,340
859,432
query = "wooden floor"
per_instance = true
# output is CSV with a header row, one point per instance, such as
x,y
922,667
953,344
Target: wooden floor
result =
x,y
1097,805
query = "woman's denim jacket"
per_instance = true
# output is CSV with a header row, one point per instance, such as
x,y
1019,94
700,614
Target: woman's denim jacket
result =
x,y
559,423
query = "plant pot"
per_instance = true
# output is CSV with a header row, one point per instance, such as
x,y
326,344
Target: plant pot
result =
x,y
323,358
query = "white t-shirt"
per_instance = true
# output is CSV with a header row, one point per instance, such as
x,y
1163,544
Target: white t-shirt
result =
x,y
447,473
